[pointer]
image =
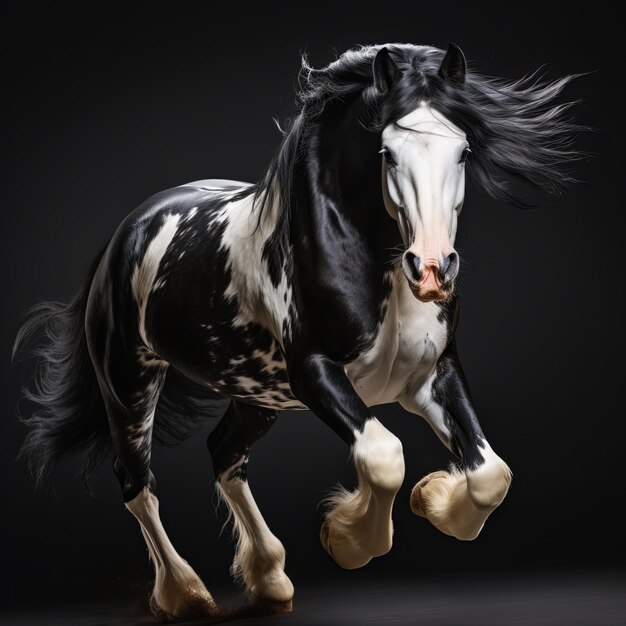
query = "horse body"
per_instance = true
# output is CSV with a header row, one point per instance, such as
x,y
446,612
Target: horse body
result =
x,y
290,294
204,303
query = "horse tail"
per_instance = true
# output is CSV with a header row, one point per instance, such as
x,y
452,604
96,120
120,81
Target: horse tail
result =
x,y
68,413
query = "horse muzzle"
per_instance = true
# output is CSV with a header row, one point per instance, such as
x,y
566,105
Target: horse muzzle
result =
x,y
431,281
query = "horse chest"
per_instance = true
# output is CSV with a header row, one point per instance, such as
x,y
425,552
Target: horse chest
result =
x,y
405,350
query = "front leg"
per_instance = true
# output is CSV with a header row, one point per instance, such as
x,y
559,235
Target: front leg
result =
x,y
457,501
358,525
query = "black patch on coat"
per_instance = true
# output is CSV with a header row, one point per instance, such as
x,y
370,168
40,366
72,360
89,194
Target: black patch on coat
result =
x,y
451,392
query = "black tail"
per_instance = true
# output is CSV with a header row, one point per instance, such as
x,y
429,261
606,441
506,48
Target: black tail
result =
x,y
69,414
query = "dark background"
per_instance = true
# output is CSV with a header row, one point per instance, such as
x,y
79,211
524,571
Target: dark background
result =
x,y
106,106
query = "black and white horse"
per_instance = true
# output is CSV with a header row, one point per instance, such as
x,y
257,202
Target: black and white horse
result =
x,y
328,285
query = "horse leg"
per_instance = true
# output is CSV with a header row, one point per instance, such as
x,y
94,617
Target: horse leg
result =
x,y
458,501
130,390
260,557
358,525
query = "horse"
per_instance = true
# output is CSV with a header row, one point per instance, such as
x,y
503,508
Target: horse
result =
x,y
328,285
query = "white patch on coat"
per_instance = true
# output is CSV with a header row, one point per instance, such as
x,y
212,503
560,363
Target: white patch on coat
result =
x,y
418,399
269,364
145,272
246,383
259,301
406,348
260,556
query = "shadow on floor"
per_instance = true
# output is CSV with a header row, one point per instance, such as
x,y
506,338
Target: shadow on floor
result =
x,y
572,600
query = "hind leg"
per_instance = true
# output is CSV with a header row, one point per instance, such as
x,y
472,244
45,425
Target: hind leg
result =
x,y
178,591
260,557
458,501
131,389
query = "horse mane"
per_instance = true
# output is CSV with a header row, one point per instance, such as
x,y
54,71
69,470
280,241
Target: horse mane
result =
x,y
514,127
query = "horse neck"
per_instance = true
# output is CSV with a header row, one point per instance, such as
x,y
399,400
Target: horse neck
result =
x,y
343,168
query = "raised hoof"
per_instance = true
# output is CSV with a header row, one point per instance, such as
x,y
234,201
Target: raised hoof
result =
x,y
195,607
416,494
346,554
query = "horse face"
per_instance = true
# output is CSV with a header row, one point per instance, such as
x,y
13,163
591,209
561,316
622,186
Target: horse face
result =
x,y
423,189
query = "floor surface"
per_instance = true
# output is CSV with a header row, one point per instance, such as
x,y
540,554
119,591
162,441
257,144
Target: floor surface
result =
x,y
567,600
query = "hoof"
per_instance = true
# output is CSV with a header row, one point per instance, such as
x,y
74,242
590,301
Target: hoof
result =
x,y
266,605
443,499
417,501
256,606
195,606
345,552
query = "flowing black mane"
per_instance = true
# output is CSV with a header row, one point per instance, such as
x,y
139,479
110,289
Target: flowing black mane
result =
x,y
514,128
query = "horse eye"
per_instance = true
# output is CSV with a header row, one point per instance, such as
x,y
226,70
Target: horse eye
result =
x,y
464,155
391,162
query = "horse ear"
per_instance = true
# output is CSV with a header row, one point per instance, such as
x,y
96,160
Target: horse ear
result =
x,y
453,65
386,72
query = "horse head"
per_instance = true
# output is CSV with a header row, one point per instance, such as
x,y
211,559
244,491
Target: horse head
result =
x,y
423,180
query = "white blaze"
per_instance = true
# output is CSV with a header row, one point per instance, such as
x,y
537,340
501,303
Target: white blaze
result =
x,y
428,178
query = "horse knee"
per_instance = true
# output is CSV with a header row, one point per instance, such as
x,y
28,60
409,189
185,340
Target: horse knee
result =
x,y
379,458
489,483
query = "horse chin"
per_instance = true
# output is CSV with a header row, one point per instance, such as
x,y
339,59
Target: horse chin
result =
x,y
430,295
